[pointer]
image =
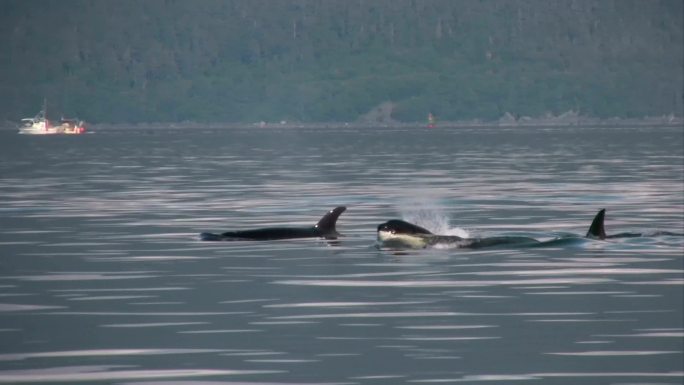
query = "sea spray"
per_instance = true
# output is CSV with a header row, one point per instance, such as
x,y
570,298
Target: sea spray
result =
x,y
434,220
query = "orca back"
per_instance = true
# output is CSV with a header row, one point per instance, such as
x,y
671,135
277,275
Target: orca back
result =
x,y
271,234
326,225
324,228
597,229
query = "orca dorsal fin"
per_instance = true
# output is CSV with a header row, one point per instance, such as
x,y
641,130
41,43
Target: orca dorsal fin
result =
x,y
597,230
327,224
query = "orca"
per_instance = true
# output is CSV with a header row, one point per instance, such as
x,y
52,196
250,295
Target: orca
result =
x,y
398,233
597,230
325,228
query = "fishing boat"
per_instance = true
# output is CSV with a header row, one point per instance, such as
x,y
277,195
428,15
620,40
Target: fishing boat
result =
x,y
41,125
37,125
71,126
431,120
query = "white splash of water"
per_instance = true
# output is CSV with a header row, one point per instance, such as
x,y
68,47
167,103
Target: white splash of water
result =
x,y
434,220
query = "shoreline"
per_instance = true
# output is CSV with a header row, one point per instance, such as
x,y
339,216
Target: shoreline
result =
x,y
505,122
666,121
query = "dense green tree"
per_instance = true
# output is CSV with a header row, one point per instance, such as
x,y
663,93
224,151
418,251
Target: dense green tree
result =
x,y
335,60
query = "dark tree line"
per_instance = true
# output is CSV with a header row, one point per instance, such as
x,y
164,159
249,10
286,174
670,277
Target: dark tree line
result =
x,y
334,60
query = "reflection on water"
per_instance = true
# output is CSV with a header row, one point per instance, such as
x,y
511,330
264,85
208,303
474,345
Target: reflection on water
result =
x,y
103,277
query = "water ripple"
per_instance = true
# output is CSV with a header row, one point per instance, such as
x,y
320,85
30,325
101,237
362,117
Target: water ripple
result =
x,y
111,373
102,268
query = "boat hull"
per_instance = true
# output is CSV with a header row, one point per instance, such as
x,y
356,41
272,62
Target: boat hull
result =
x,y
42,129
40,125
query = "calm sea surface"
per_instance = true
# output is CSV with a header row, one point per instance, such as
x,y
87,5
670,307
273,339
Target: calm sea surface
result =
x,y
103,278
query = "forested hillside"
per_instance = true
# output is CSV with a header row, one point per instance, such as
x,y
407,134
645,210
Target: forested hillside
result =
x,y
335,60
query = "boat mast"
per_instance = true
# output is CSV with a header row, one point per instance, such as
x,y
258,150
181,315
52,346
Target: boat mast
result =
x,y
44,111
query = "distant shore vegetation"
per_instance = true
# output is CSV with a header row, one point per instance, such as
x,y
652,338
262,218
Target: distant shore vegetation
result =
x,y
358,62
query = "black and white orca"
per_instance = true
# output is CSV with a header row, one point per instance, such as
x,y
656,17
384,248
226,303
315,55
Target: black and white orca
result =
x,y
325,228
398,233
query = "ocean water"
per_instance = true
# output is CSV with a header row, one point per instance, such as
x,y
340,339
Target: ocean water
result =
x,y
103,278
